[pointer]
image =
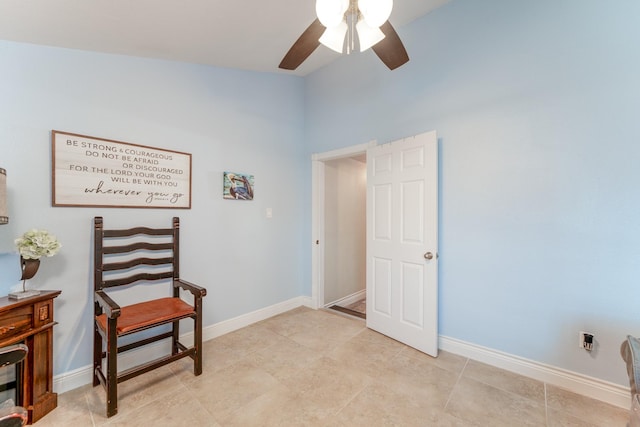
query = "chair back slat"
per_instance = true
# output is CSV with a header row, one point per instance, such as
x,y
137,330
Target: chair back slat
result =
x,y
114,266
128,232
136,247
136,278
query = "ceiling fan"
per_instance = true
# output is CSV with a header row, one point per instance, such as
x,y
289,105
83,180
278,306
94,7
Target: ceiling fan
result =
x,y
336,27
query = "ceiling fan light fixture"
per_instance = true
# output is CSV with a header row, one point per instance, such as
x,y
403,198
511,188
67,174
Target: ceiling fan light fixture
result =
x,y
368,36
336,27
333,37
331,12
375,12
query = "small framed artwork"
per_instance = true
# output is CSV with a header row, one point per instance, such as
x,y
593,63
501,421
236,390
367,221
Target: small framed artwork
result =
x,y
237,186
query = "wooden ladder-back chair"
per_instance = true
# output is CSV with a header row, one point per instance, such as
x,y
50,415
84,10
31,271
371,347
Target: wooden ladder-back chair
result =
x,y
130,257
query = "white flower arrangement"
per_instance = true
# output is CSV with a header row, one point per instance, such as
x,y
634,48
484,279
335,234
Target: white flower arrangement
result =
x,y
37,243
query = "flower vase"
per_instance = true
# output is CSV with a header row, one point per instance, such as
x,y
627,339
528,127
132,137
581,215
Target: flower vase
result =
x,y
29,269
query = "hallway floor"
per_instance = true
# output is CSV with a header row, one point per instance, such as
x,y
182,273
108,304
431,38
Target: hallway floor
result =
x,y
359,306
319,368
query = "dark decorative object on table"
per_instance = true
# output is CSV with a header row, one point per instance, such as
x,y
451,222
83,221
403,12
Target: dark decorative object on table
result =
x,y
33,245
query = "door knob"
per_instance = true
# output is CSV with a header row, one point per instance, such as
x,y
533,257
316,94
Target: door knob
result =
x,y
428,255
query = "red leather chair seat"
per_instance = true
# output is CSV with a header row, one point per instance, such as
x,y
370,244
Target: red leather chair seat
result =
x,y
139,316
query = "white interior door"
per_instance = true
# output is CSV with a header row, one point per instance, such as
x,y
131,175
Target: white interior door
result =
x,y
402,241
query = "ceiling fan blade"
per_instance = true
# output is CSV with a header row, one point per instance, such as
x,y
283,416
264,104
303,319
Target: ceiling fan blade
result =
x,y
303,47
391,50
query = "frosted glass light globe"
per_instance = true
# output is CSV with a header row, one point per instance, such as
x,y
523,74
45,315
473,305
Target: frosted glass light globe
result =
x,y
331,12
368,36
333,37
375,12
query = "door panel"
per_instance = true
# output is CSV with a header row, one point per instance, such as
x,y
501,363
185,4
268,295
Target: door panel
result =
x,y
402,225
412,216
412,299
382,286
382,212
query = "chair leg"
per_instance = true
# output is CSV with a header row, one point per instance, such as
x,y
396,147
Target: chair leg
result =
x,y
175,338
197,338
97,354
112,369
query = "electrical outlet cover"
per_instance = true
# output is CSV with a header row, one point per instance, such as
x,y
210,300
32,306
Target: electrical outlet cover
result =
x,y
581,338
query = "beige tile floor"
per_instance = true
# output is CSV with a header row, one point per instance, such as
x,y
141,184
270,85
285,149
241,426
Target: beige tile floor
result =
x,y
320,368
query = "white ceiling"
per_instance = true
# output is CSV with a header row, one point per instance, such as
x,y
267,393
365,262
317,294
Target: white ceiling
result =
x,y
244,34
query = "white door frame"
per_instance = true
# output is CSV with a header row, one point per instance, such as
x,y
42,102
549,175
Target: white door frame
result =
x,y
317,215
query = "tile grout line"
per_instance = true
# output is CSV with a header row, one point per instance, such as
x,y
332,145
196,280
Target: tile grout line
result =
x,y
353,397
456,384
88,408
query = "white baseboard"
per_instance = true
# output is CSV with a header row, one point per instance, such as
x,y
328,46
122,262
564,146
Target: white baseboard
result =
x,y
73,379
608,392
236,323
83,376
349,299
613,394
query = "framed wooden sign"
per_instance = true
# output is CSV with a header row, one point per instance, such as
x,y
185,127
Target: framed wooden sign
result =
x,y
89,171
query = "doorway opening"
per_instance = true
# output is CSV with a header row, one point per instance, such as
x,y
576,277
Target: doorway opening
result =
x,y
339,198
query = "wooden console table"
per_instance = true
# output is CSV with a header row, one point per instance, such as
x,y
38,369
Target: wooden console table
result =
x,y
30,321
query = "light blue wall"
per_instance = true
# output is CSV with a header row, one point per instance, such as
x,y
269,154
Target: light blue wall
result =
x,y
536,107
228,119
535,104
